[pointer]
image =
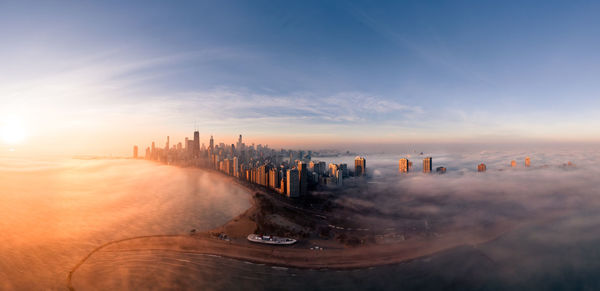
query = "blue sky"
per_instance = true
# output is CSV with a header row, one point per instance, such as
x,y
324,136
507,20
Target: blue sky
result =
x,y
303,72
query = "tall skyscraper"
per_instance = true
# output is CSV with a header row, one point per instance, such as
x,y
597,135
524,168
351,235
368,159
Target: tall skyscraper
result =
x,y
481,167
303,177
196,149
212,144
427,165
360,166
403,165
293,183
135,152
527,162
153,153
332,169
513,163
236,167
274,178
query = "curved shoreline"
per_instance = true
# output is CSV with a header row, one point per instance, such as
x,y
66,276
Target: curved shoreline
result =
x,y
371,255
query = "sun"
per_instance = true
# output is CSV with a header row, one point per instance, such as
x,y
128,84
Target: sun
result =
x,y
12,131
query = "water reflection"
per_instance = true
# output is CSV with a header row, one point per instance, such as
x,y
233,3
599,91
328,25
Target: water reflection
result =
x,y
52,213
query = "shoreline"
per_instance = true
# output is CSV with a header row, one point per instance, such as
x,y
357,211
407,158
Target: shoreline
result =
x,y
300,256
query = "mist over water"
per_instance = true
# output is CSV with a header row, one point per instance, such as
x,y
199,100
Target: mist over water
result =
x,y
54,212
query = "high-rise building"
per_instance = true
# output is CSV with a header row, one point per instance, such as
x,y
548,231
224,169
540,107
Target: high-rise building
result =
x,y
481,167
339,177
196,149
148,154
274,178
212,144
427,165
303,176
293,183
135,152
513,163
332,169
403,165
186,143
360,166
440,170
344,169
236,167
527,162
153,153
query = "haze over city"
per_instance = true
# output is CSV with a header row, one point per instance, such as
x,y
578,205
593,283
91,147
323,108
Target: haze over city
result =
x,y
299,145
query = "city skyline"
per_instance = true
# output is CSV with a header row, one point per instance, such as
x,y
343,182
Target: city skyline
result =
x,y
306,75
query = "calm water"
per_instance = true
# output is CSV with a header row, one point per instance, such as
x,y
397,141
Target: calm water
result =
x,y
52,213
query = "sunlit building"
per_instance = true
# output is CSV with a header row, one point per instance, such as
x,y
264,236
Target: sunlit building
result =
x,y
513,164
527,162
427,165
332,169
403,165
135,152
360,166
440,170
236,167
481,167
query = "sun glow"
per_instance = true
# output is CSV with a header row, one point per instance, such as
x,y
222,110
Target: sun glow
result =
x,y
12,131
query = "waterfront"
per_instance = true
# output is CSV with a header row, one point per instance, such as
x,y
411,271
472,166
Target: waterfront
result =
x,y
75,206
54,212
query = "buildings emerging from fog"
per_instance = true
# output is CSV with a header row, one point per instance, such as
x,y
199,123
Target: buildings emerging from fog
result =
x,y
360,166
403,165
427,165
288,172
481,167
513,164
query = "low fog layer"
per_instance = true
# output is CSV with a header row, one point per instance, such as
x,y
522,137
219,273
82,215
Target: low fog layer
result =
x,y
462,196
52,213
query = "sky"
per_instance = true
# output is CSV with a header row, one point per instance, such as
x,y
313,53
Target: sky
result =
x,y
83,77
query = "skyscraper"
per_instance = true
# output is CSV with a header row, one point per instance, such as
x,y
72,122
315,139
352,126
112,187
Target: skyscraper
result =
x,y
212,144
403,165
135,152
196,149
236,167
303,177
153,153
527,162
513,163
293,181
360,166
427,165
481,167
